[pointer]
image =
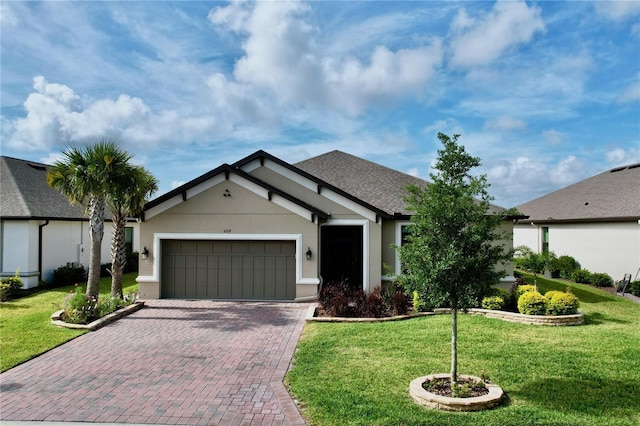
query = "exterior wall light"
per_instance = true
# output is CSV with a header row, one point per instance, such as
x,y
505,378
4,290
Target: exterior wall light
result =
x,y
145,253
309,253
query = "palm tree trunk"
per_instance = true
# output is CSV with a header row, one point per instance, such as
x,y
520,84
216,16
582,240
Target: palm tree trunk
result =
x,y
454,350
96,232
118,255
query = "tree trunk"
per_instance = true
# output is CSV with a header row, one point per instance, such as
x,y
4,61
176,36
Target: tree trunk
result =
x,y
96,232
454,351
118,256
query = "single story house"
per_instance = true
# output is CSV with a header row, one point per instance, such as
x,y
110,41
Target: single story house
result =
x,y
40,230
264,229
596,221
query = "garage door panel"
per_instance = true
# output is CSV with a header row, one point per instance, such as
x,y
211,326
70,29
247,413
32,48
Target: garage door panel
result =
x,y
259,270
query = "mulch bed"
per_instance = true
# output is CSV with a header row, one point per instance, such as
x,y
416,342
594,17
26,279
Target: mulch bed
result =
x,y
442,387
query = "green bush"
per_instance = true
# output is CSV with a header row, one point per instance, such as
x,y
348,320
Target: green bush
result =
x,y
599,279
495,303
68,275
522,289
581,276
532,303
634,288
9,286
560,303
566,265
549,295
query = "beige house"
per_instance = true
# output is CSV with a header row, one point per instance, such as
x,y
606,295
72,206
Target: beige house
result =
x,y
264,229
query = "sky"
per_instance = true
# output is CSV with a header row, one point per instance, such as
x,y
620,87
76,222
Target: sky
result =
x,y
545,93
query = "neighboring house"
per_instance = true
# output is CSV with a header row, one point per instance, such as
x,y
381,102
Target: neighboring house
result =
x,y
596,221
40,230
264,229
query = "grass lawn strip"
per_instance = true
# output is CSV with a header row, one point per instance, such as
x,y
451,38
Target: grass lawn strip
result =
x,y
25,323
358,374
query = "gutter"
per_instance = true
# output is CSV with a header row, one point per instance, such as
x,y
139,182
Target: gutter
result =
x,y
40,249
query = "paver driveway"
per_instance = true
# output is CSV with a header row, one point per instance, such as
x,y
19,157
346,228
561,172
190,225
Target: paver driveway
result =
x,y
173,362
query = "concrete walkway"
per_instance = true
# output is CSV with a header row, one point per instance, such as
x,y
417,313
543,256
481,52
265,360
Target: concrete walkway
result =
x,y
173,362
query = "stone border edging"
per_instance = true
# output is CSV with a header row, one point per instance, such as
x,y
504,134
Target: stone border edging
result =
x,y
476,403
56,318
549,320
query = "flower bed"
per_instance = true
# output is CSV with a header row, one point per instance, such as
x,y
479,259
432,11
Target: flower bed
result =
x,y
57,318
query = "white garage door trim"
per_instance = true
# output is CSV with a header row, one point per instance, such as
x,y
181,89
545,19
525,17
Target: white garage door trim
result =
x,y
156,256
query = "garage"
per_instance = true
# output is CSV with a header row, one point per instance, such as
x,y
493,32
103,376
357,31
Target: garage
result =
x,y
240,270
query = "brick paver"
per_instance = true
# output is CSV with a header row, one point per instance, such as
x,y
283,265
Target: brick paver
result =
x,y
173,362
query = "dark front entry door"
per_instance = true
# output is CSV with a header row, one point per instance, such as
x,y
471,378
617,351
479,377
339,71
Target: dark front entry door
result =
x,y
341,254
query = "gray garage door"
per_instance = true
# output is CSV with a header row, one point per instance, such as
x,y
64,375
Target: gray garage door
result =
x,y
247,270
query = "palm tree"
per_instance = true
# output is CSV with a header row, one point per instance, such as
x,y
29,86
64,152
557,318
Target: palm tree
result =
x,y
84,176
127,196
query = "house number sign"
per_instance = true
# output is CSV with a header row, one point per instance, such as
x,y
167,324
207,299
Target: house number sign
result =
x,y
227,231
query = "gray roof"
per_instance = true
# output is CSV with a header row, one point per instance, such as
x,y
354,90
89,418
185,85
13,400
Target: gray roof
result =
x,y
614,194
25,194
373,183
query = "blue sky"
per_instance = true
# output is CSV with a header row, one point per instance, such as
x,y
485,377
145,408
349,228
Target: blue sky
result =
x,y
545,93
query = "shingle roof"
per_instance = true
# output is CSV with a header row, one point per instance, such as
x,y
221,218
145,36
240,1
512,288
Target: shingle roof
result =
x,y
373,183
24,193
614,194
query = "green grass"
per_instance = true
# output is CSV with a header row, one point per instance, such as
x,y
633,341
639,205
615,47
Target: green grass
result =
x,y
25,324
359,373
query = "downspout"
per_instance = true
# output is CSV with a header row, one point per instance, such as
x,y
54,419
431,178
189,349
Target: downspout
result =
x,y
46,222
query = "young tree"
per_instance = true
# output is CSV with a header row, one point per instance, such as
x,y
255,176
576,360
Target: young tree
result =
x,y
84,176
453,246
127,195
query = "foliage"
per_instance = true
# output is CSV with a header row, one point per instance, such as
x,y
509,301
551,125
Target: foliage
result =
x,y
552,375
339,299
634,288
532,303
494,303
453,247
522,289
561,303
600,279
565,265
82,309
10,286
26,323
582,276
68,275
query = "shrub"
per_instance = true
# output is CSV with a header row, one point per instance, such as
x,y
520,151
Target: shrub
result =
x,y
399,303
560,303
522,289
599,279
493,303
532,303
581,276
634,288
548,295
68,275
335,297
372,305
566,265
10,286
78,308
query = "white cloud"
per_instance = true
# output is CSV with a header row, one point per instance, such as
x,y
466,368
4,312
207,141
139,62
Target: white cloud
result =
x,y
630,94
553,136
177,183
505,123
479,42
617,10
621,157
7,17
282,56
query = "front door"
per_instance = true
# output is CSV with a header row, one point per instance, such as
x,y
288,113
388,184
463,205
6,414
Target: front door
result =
x,y
341,256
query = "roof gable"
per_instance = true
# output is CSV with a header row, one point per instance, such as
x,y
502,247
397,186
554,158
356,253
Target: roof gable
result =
x,y
614,194
25,194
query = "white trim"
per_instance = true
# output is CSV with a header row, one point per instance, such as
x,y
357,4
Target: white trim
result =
x,y
324,192
399,225
365,244
156,256
166,205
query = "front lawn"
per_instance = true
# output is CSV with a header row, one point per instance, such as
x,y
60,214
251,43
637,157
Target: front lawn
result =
x,y
359,373
25,323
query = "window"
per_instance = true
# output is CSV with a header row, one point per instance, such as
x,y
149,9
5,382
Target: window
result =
x,y
545,239
128,239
